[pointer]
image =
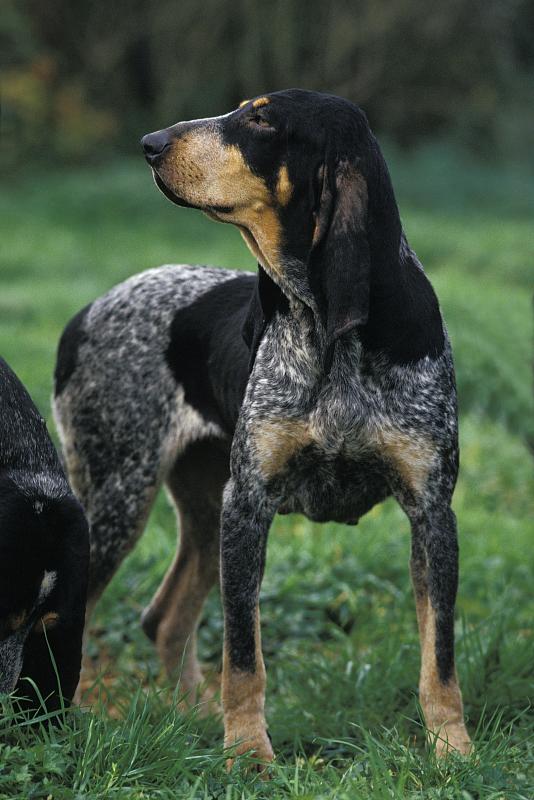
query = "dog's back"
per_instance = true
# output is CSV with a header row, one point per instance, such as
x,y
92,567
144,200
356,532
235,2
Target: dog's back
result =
x,y
25,447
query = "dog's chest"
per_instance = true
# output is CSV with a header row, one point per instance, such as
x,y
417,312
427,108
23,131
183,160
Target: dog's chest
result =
x,y
326,471
333,448
323,455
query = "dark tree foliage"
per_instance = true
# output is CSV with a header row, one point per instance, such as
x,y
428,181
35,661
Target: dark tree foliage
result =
x,y
94,74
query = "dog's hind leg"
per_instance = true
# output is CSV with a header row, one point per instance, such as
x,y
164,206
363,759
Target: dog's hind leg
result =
x,y
117,512
195,482
115,468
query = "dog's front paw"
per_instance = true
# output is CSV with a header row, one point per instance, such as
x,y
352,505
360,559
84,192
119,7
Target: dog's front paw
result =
x,y
251,738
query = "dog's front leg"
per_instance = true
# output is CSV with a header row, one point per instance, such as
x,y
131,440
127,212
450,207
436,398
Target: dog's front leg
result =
x,y
434,569
246,518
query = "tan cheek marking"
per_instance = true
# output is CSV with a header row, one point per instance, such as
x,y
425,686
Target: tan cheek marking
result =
x,y
243,103
252,188
316,230
253,209
276,441
16,621
441,702
184,168
48,620
284,187
252,245
263,237
413,456
261,101
205,172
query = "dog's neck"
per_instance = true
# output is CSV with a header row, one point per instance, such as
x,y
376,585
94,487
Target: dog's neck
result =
x,y
386,279
404,321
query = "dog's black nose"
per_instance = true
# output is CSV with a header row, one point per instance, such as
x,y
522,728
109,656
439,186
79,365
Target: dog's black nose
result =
x,y
154,144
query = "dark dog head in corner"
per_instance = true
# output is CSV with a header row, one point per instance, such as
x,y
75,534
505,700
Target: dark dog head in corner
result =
x,y
44,557
302,176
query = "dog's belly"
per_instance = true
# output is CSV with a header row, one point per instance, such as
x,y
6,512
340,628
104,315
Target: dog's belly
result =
x,y
337,489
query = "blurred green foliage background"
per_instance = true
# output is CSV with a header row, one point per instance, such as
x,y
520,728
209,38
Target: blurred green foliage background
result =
x,y
85,76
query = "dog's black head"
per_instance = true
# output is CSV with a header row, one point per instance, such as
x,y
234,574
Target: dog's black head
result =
x,y
44,557
302,176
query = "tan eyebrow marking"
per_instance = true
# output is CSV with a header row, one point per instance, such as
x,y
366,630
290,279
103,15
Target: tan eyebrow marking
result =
x,y
243,103
261,101
48,620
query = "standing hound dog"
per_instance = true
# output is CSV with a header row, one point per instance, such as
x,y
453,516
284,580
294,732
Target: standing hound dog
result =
x,y
339,393
44,556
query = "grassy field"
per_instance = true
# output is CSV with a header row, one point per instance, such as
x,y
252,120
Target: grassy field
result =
x,y
338,617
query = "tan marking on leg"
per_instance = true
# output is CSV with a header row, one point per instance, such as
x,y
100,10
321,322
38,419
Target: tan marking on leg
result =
x,y
243,103
412,455
243,696
441,702
195,484
277,440
179,601
261,101
419,576
421,608
284,187
87,671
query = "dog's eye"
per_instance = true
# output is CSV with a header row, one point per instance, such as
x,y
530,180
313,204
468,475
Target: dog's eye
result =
x,y
258,121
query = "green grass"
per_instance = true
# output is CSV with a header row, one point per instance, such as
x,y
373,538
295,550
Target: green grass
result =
x,y
338,617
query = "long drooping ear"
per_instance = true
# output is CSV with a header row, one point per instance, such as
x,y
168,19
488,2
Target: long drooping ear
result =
x,y
64,618
340,259
267,297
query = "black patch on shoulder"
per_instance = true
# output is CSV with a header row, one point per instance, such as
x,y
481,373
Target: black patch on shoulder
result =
x,y
404,318
67,353
207,354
